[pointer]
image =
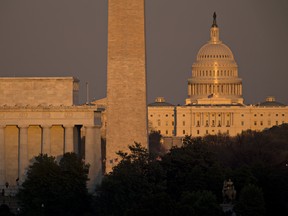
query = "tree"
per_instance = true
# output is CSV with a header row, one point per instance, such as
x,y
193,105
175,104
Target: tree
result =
x,y
132,182
251,201
55,189
74,175
155,146
198,203
192,167
5,210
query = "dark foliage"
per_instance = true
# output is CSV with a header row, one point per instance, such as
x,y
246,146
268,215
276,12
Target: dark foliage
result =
x,y
155,146
52,189
5,210
188,180
251,201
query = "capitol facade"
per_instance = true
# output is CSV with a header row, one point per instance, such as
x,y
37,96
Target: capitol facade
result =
x,y
215,103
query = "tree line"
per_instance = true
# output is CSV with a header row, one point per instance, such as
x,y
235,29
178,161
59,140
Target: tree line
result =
x,y
187,180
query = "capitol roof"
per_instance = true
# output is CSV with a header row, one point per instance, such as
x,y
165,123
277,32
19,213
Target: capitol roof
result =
x,y
215,49
270,102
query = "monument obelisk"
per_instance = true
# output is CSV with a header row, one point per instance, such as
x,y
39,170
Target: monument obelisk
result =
x,y
126,78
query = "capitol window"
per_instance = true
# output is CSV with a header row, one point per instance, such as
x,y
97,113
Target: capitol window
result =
x,y
184,132
228,124
219,124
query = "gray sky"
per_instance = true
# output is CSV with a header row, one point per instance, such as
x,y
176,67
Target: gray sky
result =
x,y
69,38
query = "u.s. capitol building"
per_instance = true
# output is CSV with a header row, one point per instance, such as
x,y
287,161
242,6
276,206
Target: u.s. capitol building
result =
x,y
215,102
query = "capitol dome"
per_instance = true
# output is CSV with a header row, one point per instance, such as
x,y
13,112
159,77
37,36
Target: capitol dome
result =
x,y
215,74
218,51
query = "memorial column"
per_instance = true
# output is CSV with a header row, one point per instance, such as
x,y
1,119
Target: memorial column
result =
x,y
46,139
2,155
93,155
69,138
23,152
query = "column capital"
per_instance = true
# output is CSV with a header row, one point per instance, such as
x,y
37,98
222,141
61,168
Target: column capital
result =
x,y
46,126
23,126
68,125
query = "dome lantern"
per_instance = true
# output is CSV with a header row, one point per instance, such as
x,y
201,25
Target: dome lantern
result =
x,y
214,31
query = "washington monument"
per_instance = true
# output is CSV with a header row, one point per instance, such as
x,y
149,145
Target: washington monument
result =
x,y
126,78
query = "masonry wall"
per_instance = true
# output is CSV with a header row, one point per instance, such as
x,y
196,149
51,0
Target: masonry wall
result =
x,y
126,78
34,91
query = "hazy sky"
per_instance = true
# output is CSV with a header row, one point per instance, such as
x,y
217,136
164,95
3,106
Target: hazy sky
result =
x,y
69,38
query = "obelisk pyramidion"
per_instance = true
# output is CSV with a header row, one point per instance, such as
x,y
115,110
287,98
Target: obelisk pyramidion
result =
x,y
126,78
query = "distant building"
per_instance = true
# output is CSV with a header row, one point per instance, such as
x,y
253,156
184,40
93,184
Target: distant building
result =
x,y
215,103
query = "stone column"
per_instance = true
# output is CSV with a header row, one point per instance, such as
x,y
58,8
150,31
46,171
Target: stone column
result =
x,y
2,155
69,138
189,90
93,156
46,139
23,152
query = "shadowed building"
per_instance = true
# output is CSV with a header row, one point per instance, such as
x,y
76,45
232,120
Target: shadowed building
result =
x,y
126,78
